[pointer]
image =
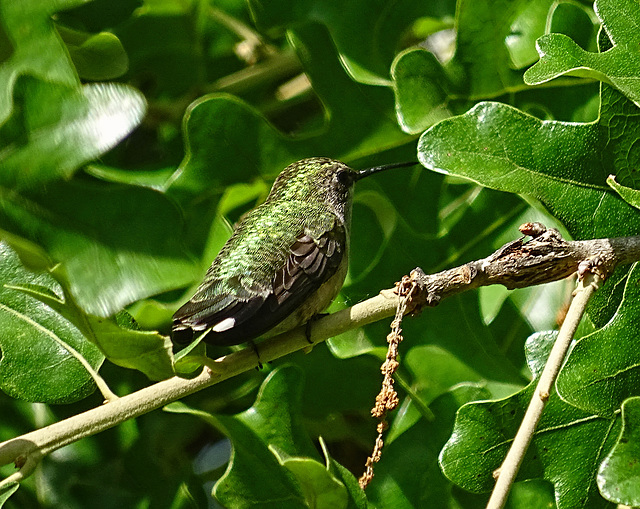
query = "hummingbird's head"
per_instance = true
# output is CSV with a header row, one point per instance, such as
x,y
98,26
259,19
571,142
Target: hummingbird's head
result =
x,y
317,178
322,180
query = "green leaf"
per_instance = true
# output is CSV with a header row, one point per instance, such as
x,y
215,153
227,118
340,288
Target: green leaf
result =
x,y
537,348
7,492
40,347
526,26
382,26
576,21
55,129
488,36
213,142
422,90
82,224
558,163
427,91
118,338
98,15
603,368
357,498
619,474
32,47
147,351
316,482
255,474
631,196
619,66
96,56
567,447
407,475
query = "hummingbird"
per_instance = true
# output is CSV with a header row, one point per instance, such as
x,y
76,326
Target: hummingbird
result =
x,y
285,261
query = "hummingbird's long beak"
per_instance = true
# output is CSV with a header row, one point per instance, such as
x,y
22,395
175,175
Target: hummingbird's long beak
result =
x,y
360,174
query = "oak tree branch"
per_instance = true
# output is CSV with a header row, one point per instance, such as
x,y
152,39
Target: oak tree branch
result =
x,y
546,257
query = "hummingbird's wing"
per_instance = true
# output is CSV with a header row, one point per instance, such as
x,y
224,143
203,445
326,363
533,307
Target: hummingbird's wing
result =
x,y
309,264
239,314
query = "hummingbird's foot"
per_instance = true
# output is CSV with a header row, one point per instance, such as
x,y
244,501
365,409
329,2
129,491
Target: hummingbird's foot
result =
x,y
307,327
307,331
255,349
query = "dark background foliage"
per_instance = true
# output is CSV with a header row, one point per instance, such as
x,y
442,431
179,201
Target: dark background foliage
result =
x,y
133,133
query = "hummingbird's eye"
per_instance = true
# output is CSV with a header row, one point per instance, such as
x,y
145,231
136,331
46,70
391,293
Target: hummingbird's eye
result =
x,y
344,177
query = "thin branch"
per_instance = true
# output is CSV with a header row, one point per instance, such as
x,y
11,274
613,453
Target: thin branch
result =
x,y
544,258
507,472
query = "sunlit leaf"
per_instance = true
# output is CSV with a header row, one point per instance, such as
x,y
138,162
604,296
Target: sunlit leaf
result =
x,y
618,66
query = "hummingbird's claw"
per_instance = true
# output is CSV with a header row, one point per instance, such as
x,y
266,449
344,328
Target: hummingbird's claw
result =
x,y
307,327
255,349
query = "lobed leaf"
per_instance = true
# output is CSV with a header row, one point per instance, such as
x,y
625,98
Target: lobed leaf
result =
x,y
273,458
559,163
366,34
618,66
567,448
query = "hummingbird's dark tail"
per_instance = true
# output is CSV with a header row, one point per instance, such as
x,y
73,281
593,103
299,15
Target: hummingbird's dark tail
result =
x,y
360,174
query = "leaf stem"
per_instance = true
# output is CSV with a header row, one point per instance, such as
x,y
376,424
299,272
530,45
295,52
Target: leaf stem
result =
x,y
509,468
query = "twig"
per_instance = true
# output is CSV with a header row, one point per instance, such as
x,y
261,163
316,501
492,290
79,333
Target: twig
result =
x,y
545,258
507,472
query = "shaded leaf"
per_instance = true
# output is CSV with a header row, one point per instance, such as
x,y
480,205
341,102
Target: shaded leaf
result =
x,y
488,36
272,455
526,26
350,26
575,20
35,47
95,56
316,482
357,497
421,89
39,346
105,228
408,475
